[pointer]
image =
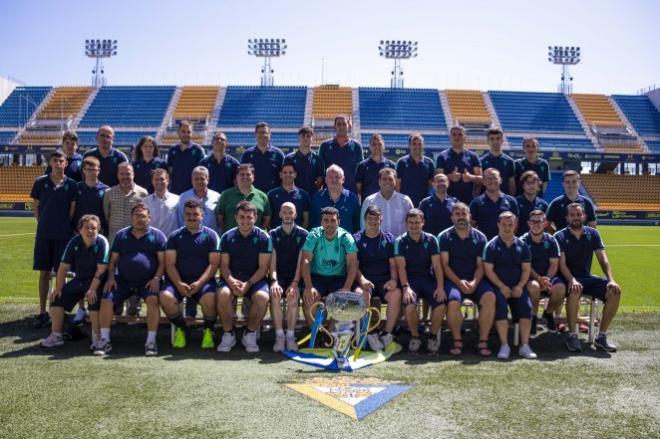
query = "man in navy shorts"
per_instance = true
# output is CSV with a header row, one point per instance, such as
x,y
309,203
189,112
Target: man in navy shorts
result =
x,y
138,259
377,272
578,243
507,264
543,279
244,261
461,248
192,257
87,254
420,274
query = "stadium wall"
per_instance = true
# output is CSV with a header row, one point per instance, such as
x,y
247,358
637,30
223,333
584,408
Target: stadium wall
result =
x,y
654,96
6,87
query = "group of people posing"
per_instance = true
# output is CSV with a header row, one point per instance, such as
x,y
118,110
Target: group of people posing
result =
x,y
273,228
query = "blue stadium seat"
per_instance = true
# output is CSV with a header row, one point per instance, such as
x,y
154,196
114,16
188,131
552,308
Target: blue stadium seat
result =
x,y
581,144
431,141
282,107
641,113
6,137
409,108
246,139
654,146
537,112
122,138
129,106
19,106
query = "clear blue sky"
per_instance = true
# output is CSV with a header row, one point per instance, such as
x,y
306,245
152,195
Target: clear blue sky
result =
x,y
486,45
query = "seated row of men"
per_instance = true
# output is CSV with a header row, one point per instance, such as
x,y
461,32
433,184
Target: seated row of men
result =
x,y
505,273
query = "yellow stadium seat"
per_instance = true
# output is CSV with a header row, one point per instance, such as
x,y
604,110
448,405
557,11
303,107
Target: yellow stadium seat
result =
x,y
468,107
624,192
331,100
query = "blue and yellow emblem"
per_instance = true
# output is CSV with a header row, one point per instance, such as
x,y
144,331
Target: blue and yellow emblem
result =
x,y
353,397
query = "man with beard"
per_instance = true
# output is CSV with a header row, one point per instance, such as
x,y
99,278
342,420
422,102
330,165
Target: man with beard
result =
x,y
343,151
393,205
438,207
415,170
289,192
486,208
461,165
558,208
368,170
182,159
266,159
578,244
529,200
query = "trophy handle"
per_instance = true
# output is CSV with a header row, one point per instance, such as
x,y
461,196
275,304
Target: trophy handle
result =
x,y
374,322
323,329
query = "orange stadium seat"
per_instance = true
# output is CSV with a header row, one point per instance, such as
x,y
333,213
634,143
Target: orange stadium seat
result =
x,y
16,181
625,192
331,100
468,107
173,138
65,102
196,102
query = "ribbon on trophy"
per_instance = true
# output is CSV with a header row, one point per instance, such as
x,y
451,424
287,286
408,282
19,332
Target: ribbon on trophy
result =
x,y
352,321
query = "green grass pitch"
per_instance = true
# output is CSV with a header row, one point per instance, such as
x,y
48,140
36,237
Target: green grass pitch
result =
x,y
190,393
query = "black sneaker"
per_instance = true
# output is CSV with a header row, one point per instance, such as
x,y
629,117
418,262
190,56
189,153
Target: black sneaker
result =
x,y
601,342
533,331
549,321
41,321
103,348
573,343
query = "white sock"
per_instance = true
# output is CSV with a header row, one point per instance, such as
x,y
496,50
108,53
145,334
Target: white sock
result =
x,y
95,338
279,332
105,333
290,333
151,337
57,334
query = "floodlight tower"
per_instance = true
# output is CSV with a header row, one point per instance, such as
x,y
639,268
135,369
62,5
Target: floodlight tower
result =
x,y
564,56
100,49
267,48
397,50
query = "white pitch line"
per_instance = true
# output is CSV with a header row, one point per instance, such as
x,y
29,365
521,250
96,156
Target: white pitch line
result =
x,y
632,245
16,234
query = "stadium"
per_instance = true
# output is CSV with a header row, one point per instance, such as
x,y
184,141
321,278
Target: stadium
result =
x,y
611,139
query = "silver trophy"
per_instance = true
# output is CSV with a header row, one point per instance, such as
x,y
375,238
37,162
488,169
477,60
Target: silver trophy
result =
x,y
347,309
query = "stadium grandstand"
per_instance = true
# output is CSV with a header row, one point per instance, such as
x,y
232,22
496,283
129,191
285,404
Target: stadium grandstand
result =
x,y
613,140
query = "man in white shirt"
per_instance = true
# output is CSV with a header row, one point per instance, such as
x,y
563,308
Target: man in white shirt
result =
x,y
162,203
393,204
201,192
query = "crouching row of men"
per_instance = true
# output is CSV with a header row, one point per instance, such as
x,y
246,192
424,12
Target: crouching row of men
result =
x,y
506,273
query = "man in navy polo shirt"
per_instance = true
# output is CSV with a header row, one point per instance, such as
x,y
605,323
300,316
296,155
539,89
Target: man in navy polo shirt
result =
x,y
288,240
266,159
74,160
343,151
335,195
558,208
578,244
109,156
329,260
366,177
507,264
486,208
377,273
529,200
245,259
543,278
222,166
461,165
54,202
461,248
420,274
437,208
532,162
89,200
288,192
415,171
310,169
191,261
495,158
182,159
138,257
87,255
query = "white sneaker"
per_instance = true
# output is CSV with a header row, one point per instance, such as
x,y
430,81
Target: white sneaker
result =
x,y
291,344
504,352
249,340
150,349
433,344
279,343
526,352
387,339
227,342
414,344
52,341
374,342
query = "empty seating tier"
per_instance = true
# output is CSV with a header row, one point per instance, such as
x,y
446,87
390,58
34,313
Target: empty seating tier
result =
x,y
28,138
578,144
597,110
331,100
128,106
247,139
64,103
19,106
196,103
279,106
629,192
641,113
173,138
431,141
399,108
6,137
122,138
468,107
534,112
16,181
